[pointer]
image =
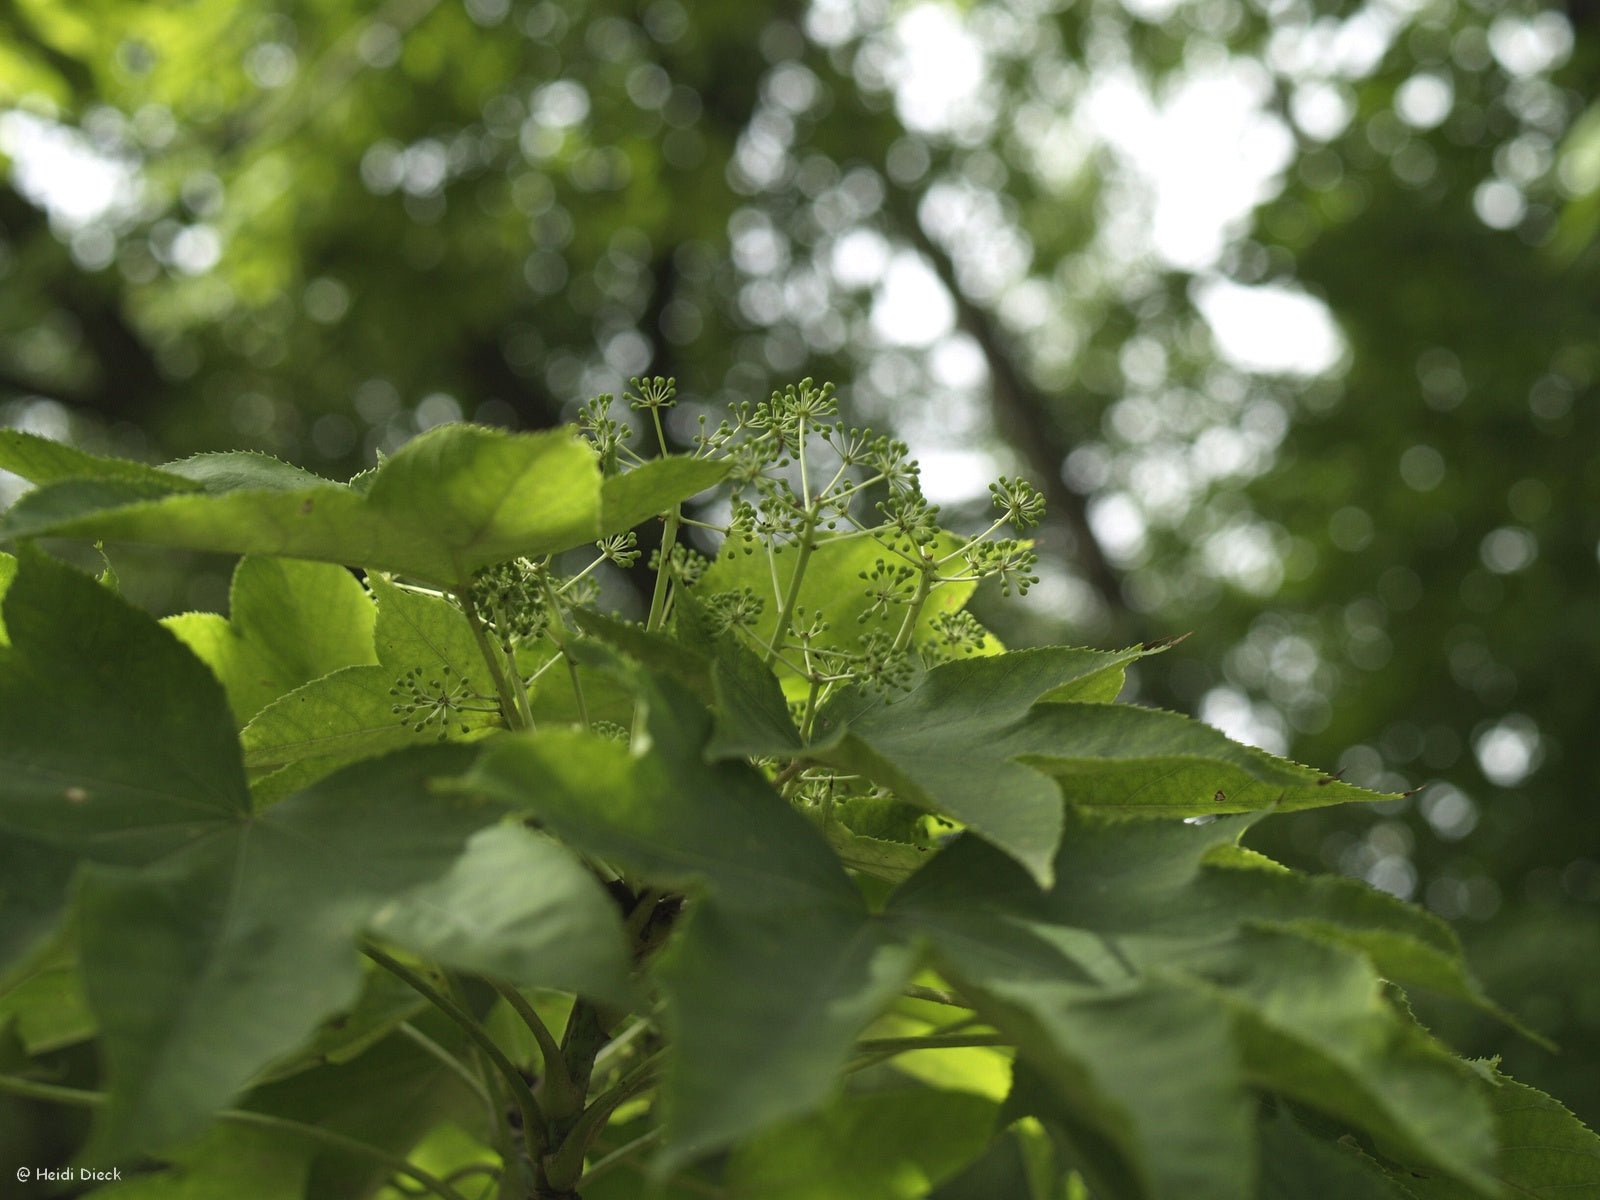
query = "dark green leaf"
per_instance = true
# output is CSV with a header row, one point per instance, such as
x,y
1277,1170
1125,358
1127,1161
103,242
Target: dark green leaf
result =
x,y
1137,903
1146,1081
990,742
519,907
780,965
206,966
230,1160
892,1145
948,745
1544,1151
1298,1165
115,743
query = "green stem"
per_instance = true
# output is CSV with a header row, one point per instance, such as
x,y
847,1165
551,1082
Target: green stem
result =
x,y
932,1041
914,991
533,1121
786,613
643,909
559,1102
658,599
909,625
513,705
57,1094
564,1167
789,772
812,693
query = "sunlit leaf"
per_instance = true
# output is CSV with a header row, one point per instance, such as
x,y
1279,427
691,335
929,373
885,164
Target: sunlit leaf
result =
x,y
291,622
453,500
892,1145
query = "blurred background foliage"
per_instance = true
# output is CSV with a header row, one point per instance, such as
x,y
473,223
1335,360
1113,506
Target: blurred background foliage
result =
x,y
1289,305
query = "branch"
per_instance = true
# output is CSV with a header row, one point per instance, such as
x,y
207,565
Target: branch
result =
x,y
1022,411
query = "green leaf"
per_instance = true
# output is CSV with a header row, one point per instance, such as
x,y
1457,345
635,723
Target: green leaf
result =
x,y
389,1096
114,744
1314,1025
242,471
779,966
8,570
291,622
520,907
1003,1170
750,714
654,487
230,1160
1298,1165
991,742
1146,1081
1406,944
349,715
42,461
44,1003
1544,1150
208,965
212,940
893,1145
453,500
1141,903
948,745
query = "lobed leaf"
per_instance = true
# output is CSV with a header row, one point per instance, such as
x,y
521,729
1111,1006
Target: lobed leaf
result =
x,y
41,461
291,622
214,940
349,714
892,1145
449,502
780,964
204,967
1544,1150
1298,1165
111,746
948,744
520,907
997,743
1142,905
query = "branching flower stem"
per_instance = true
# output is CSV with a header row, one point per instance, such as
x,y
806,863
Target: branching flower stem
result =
x,y
925,580
791,597
514,706
658,598
81,1097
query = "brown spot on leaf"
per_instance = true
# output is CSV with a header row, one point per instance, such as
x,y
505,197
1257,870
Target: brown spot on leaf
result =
x,y
307,505
1221,797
